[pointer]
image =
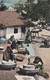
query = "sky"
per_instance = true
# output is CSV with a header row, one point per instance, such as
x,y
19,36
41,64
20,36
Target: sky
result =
x,y
8,3
11,1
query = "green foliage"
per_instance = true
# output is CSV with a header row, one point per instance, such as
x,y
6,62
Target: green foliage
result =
x,y
39,10
42,9
2,6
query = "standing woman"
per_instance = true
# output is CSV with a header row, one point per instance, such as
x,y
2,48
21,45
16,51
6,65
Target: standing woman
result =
x,y
8,54
28,37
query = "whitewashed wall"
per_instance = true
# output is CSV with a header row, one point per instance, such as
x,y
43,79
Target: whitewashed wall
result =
x,y
2,33
18,35
10,32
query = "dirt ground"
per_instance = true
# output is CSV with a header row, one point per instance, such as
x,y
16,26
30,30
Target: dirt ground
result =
x,y
42,52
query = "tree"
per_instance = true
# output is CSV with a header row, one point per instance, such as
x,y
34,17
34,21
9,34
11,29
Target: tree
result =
x,y
39,10
28,7
2,6
44,9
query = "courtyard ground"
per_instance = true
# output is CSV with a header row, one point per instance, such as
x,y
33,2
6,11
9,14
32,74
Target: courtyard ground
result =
x,y
42,52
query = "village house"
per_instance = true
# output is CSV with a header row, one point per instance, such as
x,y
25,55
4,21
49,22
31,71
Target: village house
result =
x,y
12,23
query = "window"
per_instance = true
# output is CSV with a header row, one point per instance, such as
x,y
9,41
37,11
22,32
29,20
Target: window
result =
x,y
15,30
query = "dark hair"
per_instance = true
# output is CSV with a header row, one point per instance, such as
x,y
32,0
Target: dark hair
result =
x,y
37,59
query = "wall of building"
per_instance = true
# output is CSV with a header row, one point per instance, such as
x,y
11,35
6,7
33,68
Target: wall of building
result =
x,y
10,32
2,33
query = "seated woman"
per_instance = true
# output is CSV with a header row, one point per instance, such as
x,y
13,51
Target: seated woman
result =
x,y
46,43
8,54
38,63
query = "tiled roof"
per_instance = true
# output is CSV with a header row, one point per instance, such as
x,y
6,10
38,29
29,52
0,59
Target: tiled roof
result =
x,y
11,18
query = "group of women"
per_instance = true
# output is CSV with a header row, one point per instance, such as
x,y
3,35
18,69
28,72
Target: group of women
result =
x,y
8,53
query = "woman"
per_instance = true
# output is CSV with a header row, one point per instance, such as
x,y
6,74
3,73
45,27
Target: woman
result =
x,y
38,62
46,43
13,45
28,37
8,54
